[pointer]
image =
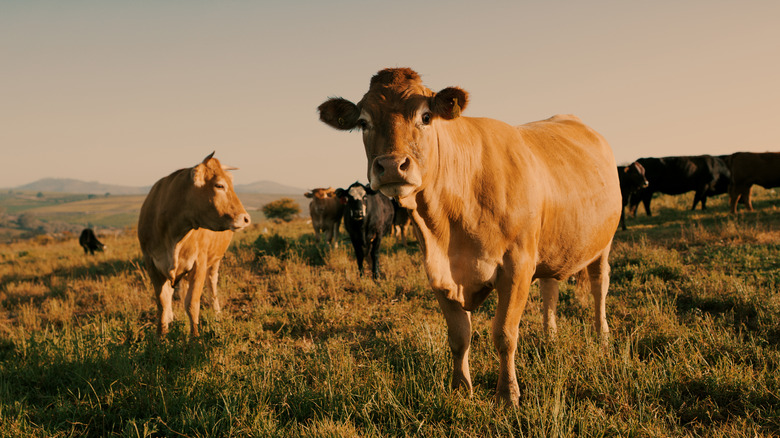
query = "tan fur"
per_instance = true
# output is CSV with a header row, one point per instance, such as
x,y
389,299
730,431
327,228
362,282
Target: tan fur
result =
x,y
748,168
494,206
184,228
325,210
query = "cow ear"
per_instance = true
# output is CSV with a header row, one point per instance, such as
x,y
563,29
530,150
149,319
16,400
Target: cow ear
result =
x,y
625,169
198,174
339,113
309,194
449,103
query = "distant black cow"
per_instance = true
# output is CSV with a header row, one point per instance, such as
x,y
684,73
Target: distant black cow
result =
x,y
705,174
632,178
89,241
367,217
402,220
748,168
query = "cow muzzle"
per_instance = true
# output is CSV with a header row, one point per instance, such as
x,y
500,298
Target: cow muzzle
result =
x,y
395,175
241,221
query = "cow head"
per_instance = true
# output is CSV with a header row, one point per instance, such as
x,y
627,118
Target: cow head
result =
x,y
399,118
212,202
634,176
355,198
321,193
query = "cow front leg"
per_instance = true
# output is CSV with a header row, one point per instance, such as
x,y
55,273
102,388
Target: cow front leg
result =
x,y
512,288
459,337
192,300
334,235
164,298
359,256
374,256
211,283
549,290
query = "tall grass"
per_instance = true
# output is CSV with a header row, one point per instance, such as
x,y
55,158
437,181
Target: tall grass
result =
x,y
306,347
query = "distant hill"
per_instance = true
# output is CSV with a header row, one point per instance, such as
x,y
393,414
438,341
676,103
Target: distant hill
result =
x,y
65,185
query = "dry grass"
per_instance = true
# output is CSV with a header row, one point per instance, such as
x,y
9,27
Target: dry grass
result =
x,y
305,347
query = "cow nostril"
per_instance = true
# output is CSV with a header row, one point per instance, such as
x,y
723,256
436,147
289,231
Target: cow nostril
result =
x,y
404,164
378,168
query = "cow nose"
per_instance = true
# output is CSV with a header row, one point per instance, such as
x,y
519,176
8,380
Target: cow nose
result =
x,y
242,221
391,167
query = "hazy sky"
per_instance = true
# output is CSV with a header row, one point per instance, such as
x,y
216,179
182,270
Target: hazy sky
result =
x,y
125,92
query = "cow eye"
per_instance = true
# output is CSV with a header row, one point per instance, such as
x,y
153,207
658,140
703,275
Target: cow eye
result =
x,y
362,124
426,118
219,186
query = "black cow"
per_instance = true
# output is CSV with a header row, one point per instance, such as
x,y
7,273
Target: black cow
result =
x,y
367,217
705,174
632,178
402,221
89,241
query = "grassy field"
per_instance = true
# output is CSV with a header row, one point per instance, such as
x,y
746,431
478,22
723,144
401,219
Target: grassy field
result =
x,y
304,347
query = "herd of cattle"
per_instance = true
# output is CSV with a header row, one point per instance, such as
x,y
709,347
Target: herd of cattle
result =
x,y
705,175
494,207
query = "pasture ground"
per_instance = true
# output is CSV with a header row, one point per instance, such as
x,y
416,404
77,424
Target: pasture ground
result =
x,y
304,347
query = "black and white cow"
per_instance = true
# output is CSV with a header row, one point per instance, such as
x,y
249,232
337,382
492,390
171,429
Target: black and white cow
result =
x,y
368,215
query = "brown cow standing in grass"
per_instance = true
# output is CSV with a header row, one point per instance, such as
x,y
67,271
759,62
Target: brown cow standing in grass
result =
x,y
185,226
494,205
326,210
748,168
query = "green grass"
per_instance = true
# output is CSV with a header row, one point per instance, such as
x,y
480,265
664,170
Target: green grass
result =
x,y
305,347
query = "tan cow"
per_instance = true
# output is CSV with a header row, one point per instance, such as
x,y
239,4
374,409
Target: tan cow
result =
x,y
748,168
185,227
495,206
326,210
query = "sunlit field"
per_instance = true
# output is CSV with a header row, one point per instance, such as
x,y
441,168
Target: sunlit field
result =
x,y
305,347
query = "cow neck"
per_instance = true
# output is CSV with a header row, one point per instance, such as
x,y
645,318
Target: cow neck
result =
x,y
465,191
174,225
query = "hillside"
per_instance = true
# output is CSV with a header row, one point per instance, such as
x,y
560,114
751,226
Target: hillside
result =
x,y
28,214
65,185
74,186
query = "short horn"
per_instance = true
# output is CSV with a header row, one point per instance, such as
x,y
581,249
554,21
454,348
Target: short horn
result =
x,y
210,156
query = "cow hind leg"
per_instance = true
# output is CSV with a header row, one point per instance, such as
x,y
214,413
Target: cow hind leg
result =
x,y
598,273
746,198
549,289
459,337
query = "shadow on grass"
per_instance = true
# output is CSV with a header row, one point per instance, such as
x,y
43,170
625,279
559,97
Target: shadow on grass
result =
x,y
90,382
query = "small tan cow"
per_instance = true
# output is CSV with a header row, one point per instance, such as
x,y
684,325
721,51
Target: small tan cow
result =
x,y
494,206
185,226
326,211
